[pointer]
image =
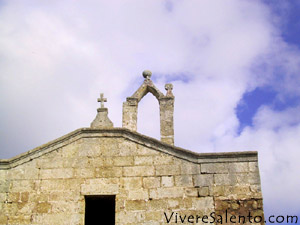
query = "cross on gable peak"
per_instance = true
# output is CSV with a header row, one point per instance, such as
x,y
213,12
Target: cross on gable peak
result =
x,y
102,100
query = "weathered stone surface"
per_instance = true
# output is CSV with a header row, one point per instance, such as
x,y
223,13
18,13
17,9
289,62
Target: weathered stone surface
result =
x,y
151,182
184,181
204,204
162,170
147,177
167,181
170,192
225,179
133,171
203,180
214,168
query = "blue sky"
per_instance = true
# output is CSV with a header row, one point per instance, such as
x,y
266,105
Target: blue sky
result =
x,y
234,67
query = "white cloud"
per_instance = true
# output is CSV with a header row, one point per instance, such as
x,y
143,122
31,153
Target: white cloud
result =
x,y
57,57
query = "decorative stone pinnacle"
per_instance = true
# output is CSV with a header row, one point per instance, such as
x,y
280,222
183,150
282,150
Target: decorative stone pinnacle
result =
x,y
169,88
102,100
102,121
147,74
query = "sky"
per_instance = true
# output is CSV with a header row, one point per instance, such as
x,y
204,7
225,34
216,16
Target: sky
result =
x,y
234,66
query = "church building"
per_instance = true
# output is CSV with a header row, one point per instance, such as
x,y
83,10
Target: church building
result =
x,y
110,175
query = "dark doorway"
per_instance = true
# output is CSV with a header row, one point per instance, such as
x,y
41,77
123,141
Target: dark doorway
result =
x,y
100,210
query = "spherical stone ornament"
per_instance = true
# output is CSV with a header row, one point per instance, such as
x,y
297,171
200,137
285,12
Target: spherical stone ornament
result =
x,y
147,74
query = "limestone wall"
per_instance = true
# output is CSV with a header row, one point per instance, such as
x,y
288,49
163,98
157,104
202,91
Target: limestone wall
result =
x,y
48,185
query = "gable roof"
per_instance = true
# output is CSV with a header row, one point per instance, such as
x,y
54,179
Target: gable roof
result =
x,y
246,156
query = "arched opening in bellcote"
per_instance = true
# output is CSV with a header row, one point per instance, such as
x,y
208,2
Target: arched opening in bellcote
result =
x,y
148,121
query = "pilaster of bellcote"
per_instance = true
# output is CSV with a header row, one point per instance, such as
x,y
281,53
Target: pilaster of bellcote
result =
x,y
102,121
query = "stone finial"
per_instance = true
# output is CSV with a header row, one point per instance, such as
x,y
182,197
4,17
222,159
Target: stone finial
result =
x,y
147,74
169,88
102,120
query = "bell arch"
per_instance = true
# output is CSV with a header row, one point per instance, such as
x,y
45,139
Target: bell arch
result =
x,y
166,108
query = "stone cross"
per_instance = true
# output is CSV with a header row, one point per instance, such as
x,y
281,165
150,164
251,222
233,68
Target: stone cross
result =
x,y
102,100
169,88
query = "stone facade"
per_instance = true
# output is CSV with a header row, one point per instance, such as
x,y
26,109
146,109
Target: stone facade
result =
x,y
153,181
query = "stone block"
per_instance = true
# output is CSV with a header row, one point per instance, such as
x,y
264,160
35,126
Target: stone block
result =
x,y
3,174
138,194
171,192
13,196
128,149
16,173
22,185
24,196
157,204
50,162
204,204
2,197
60,185
191,192
68,207
4,186
101,161
248,178
3,218
253,167
19,219
108,172
71,150
135,205
184,181
73,196
56,173
238,167
151,182
190,168
203,191
129,183
129,217
100,186
167,181
214,168
39,197
165,170
237,191
123,161
218,190
135,171
225,179
143,150
203,180
174,203
163,159
79,162
143,160
57,218
255,188
42,207
84,172
154,217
